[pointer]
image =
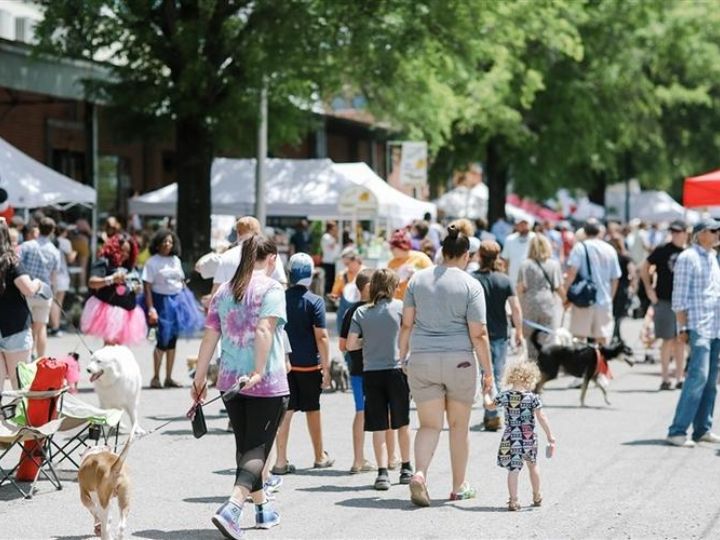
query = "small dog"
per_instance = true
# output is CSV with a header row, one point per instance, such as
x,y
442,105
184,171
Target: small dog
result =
x,y
116,376
212,371
579,360
103,476
339,376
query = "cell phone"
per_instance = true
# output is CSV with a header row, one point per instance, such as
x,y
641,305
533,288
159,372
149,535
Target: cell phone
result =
x,y
549,450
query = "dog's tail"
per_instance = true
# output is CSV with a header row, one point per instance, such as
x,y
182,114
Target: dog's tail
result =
x,y
534,339
117,466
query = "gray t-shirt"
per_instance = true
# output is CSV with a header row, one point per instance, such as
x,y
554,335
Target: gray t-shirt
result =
x,y
379,326
445,300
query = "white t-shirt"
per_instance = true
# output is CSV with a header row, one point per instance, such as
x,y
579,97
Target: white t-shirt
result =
x,y
230,260
165,274
605,266
329,245
515,251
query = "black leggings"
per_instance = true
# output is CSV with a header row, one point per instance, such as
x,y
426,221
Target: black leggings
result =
x,y
255,423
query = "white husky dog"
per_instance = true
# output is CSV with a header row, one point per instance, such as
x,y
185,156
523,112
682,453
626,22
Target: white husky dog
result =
x,y
116,376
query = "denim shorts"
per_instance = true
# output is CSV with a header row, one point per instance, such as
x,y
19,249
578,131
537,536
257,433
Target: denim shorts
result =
x,y
22,341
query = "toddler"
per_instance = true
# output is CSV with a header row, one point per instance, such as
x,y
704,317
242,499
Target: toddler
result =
x,y
519,441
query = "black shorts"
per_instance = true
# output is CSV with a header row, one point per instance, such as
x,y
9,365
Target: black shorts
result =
x,y
305,390
387,399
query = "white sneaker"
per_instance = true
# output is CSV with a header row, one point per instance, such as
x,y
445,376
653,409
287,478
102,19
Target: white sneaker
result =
x,y
680,440
710,437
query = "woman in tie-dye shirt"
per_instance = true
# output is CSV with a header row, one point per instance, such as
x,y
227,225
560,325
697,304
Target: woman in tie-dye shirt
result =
x,y
248,314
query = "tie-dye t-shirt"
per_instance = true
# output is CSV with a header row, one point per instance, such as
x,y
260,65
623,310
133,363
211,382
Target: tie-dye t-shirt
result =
x,y
237,321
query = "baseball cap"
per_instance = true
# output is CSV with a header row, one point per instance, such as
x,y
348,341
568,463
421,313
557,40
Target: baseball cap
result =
x,y
300,269
707,223
678,225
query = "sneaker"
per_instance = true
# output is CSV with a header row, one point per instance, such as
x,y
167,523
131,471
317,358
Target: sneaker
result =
x,y
227,520
678,386
680,440
273,483
709,437
466,492
665,385
382,482
365,467
265,516
406,473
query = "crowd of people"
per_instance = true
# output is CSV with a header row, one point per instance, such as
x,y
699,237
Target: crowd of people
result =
x,y
433,324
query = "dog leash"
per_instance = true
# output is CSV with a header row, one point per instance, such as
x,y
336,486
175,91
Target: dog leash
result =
x,y
75,328
538,326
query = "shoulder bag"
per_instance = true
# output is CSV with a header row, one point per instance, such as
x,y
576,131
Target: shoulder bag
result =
x,y
544,273
583,292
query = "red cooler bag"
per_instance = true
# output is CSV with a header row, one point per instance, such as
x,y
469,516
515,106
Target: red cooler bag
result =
x,y
50,376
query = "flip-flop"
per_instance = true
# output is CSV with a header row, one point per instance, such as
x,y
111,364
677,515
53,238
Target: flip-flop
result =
x,y
325,463
365,467
418,491
289,468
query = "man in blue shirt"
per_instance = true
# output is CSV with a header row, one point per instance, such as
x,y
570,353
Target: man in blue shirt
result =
x,y
41,260
309,361
696,303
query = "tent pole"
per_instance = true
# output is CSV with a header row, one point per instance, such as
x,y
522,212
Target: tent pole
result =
x,y
261,170
92,151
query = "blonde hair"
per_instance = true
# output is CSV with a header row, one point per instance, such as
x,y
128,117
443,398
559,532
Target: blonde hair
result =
x,y
540,248
246,225
465,226
521,373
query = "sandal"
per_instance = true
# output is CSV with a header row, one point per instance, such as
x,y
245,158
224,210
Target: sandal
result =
x,y
169,383
325,463
288,468
155,383
513,505
537,499
418,491
365,467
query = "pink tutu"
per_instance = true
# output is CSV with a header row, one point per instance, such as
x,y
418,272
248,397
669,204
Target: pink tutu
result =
x,y
113,324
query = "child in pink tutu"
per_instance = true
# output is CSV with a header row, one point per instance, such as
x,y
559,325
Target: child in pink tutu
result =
x,y
170,304
112,313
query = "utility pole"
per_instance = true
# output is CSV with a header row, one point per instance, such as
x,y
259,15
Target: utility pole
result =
x,y
260,167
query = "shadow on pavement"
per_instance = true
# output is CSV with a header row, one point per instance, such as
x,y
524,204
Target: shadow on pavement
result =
x,y
206,500
320,472
643,391
195,534
375,502
479,508
184,418
176,432
579,408
335,489
647,442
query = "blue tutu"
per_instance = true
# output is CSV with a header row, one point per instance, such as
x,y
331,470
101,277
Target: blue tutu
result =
x,y
179,315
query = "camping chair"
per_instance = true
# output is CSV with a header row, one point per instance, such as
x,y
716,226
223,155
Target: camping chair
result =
x,y
32,441
95,424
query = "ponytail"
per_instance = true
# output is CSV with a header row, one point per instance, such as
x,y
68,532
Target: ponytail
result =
x,y
256,248
456,244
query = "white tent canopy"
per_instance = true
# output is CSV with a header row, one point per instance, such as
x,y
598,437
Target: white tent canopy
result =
x,y
295,188
650,206
465,202
30,184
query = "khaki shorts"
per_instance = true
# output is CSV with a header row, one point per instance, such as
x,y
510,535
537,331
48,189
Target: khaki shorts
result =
x,y
451,375
39,309
592,322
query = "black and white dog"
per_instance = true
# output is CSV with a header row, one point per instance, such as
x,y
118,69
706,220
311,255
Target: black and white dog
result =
x,y
579,360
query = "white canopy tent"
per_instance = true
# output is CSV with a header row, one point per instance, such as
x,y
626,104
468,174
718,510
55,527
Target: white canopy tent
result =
x,y
650,206
465,202
30,184
295,188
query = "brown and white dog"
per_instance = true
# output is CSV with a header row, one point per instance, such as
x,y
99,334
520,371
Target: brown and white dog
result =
x,y
103,477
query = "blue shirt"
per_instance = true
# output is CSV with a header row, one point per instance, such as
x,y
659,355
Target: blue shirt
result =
x,y
305,312
40,258
604,263
696,290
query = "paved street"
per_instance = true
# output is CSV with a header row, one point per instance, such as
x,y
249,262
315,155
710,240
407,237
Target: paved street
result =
x,y
612,476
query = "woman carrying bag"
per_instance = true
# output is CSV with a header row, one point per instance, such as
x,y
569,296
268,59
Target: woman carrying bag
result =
x,y
248,314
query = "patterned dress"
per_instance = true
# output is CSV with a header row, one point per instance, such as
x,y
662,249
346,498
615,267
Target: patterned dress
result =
x,y
519,440
539,303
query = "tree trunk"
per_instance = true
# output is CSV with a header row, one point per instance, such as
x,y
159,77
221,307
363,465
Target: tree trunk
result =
x,y
497,178
194,154
597,193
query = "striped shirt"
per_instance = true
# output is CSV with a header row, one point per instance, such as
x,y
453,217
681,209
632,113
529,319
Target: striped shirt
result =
x,y
696,290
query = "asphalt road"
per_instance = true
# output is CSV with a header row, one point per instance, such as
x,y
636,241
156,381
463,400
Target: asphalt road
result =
x,y
612,475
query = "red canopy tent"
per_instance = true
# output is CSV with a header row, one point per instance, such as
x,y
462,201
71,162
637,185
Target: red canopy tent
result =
x,y
702,190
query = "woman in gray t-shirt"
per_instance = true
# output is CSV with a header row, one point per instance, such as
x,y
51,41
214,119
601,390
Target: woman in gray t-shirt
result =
x,y
443,324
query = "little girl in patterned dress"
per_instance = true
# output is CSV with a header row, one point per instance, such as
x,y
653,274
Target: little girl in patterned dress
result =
x,y
519,443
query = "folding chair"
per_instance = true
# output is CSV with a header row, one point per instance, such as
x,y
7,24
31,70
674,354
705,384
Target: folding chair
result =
x,y
13,435
94,424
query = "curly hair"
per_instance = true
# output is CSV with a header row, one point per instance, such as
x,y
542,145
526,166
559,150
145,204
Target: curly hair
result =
x,y
112,250
521,373
160,237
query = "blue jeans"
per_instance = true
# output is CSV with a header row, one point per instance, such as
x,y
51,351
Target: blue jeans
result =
x,y
498,355
697,399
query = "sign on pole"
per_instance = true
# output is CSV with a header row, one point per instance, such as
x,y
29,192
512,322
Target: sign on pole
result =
x,y
413,164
